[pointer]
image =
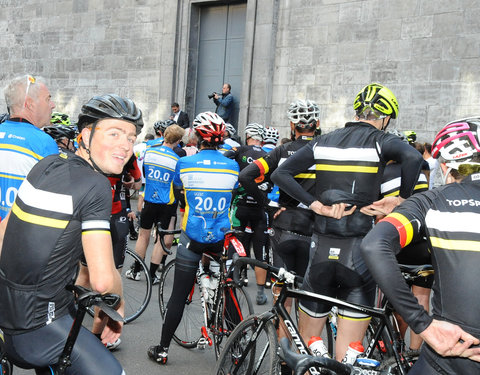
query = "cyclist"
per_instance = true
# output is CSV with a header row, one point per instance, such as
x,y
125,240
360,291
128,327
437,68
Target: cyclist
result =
x,y
448,217
292,221
270,138
208,179
349,165
63,135
160,203
228,140
22,143
63,210
248,215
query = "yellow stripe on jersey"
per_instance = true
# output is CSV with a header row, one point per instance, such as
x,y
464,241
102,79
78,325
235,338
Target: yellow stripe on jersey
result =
x,y
459,245
38,220
100,231
403,226
421,186
23,150
346,168
209,170
11,177
305,175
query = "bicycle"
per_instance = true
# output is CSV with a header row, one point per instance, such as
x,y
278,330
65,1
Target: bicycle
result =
x,y
137,293
210,311
252,346
85,299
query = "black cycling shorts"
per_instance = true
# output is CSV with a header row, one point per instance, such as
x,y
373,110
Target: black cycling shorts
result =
x,y
42,347
292,248
157,213
337,270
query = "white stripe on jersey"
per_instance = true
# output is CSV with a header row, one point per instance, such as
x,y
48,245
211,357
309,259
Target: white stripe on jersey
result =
x,y
346,154
453,221
160,159
45,200
390,185
208,180
282,160
95,224
422,178
16,163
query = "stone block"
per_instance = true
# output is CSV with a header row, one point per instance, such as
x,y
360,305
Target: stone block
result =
x,y
461,47
80,6
400,50
445,71
428,7
389,29
350,13
417,27
348,52
427,49
319,93
448,24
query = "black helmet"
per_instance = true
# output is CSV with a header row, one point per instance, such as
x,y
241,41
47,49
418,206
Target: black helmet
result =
x,y
159,126
58,132
110,106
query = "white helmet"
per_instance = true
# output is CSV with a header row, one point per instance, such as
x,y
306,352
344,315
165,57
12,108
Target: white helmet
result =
x,y
254,131
230,129
271,135
304,113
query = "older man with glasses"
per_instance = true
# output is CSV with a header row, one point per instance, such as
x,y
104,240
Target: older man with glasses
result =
x,y
22,143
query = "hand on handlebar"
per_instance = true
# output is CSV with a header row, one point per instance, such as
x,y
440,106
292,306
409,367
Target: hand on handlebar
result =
x,y
113,329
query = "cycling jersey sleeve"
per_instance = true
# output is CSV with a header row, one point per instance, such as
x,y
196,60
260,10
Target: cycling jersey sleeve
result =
x,y
247,178
379,248
283,176
408,157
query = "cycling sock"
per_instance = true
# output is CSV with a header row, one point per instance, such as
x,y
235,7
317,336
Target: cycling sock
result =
x,y
153,269
260,289
164,258
137,267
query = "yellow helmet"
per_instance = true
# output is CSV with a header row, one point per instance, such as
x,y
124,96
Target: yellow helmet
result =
x,y
377,99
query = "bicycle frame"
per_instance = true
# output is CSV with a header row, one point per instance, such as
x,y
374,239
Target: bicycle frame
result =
x,y
209,310
278,311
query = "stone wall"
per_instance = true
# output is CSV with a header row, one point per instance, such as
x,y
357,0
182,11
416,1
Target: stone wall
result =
x,y
426,51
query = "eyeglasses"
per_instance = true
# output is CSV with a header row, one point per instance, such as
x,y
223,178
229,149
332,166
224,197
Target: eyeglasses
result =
x,y
30,80
368,110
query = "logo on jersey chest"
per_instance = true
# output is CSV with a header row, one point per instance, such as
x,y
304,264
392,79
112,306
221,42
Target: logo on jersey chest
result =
x,y
334,253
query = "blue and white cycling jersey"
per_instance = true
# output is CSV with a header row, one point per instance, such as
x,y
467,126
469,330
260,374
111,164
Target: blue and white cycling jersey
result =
x,y
159,166
208,179
22,145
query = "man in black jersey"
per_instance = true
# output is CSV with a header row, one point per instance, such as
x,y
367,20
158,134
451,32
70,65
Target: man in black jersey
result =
x,y
63,210
349,164
448,216
292,221
248,215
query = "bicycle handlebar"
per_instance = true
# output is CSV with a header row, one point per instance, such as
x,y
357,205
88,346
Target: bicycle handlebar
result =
x,y
106,302
282,273
161,233
300,363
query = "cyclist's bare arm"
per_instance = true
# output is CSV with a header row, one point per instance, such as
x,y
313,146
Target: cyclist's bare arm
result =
x,y
104,278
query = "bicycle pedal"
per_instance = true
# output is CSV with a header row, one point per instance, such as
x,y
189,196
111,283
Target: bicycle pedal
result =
x,y
202,343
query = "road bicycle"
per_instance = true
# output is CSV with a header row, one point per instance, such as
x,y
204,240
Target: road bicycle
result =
x,y
252,346
85,299
211,311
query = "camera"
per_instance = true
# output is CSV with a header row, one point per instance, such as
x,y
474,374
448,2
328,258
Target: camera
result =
x,y
212,95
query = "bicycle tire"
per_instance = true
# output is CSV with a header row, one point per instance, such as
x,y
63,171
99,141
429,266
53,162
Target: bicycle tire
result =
x,y
188,331
136,294
264,360
229,315
391,364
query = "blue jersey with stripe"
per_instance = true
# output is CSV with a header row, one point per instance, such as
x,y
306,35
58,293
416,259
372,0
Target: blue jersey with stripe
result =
x,y
159,166
208,179
22,145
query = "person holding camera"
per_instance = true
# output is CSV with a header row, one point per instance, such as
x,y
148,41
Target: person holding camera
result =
x,y
224,102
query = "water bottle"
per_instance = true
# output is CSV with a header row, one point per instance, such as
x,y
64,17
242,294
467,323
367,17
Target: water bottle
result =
x,y
367,363
317,347
204,285
213,284
354,350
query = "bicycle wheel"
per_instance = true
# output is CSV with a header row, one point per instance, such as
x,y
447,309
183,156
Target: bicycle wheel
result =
x,y
188,331
235,305
6,367
262,357
383,348
136,293
391,364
